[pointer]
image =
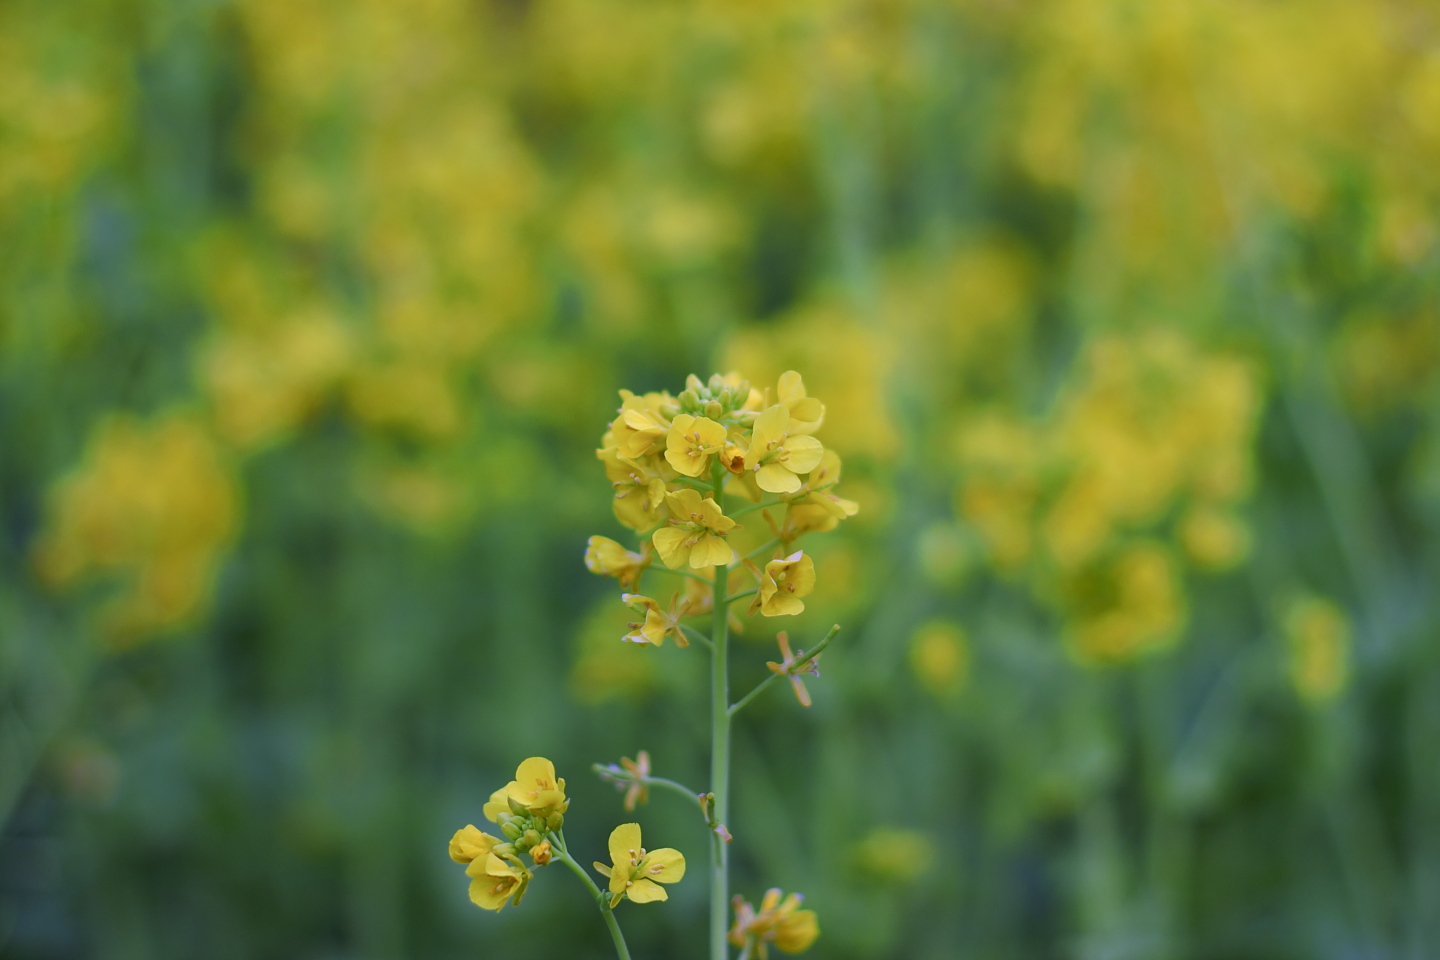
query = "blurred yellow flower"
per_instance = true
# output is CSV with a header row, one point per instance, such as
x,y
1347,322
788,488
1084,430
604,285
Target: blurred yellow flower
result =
x,y
893,855
609,559
778,921
1319,636
940,658
696,534
636,874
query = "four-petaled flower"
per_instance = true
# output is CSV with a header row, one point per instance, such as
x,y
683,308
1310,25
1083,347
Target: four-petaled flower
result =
x,y
783,583
788,668
496,880
635,874
778,921
778,452
639,489
535,788
690,443
658,623
696,532
641,427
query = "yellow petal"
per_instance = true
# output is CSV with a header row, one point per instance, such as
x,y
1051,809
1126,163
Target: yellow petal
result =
x,y
791,387
805,454
709,552
533,770
670,544
684,503
768,433
774,478
492,893
469,843
496,806
666,865
797,932
600,868
624,843
643,891
782,605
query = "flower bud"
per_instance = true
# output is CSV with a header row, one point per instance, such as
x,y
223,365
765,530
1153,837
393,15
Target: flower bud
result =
x,y
511,830
689,400
714,410
693,384
518,808
531,838
542,853
555,821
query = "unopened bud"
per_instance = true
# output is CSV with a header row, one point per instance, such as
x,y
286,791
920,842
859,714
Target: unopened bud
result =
x,y
693,384
531,838
555,821
518,808
542,853
689,400
511,830
714,410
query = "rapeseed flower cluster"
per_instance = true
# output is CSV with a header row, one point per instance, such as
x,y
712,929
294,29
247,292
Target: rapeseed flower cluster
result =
x,y
530,812
662,454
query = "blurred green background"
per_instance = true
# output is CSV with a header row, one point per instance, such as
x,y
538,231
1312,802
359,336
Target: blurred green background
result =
x,y
1125,311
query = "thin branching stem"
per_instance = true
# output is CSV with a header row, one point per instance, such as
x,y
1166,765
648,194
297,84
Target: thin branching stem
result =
x,y
563,855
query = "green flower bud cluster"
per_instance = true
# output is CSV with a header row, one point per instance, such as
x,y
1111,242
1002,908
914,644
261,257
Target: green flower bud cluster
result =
x,y
715,399
525,829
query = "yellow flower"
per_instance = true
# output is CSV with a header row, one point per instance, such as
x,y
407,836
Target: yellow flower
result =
x,y
639,488
778,453
803,518
609,559
496,881
542,853
818,489
1319,635
696,532
635,873
778,921
782,585
642,426
806,413
470,844
658,623
786,668
690,443
535,788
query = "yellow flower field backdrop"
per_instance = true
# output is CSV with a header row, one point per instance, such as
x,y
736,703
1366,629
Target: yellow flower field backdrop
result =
x,y
1126,320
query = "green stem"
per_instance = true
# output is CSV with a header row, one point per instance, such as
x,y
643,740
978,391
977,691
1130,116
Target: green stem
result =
x,y
764,548
696,635
681,573
743,594
719,744
679,788
755,506
619,938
